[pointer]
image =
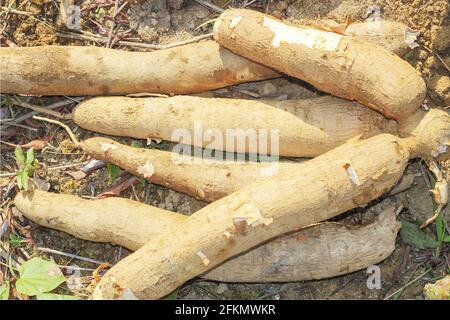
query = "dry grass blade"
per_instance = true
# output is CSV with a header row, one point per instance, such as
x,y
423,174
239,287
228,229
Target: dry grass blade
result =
x,y
99,39
59,123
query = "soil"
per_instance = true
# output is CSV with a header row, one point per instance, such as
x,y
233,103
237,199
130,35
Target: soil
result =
x,y
161,22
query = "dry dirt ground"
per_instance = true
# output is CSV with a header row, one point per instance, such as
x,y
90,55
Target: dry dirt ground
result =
x,y
37,22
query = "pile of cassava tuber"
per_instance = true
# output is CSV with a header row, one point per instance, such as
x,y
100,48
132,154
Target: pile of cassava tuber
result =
x,y
265,220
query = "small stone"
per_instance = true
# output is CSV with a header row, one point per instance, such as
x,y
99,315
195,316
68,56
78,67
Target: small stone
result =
x,y
268,89
201,12
221,288
281,6
175,4
440,37
439,290
148,34
35,9
439,87
430,62
423,54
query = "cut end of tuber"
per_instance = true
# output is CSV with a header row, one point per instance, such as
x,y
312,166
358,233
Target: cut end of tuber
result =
x,y
146,170
204,258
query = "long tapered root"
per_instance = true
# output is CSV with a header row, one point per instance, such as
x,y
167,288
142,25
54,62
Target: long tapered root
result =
x,y
185,69
54,70
317,252
338,64
314,191
298,128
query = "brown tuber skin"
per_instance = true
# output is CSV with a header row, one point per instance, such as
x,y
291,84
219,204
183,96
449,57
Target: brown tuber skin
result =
x,y
181,173
102,220
186,69
75,70
338,64
389,35
320,251
171,259
349,176
307,127
220,178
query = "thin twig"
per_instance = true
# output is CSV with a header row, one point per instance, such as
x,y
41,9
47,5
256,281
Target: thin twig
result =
x,y
342,286
99,39
113,24
437,56
268,6
18,12
21,126
11,3
69,255
248,3
390,5
31,114
64,126
407,285
424,6
210,6
425,175
65,166
135,193
39,109
70,268
120,9
28,14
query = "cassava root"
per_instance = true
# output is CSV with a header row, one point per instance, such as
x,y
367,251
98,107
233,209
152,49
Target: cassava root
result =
x,y
390,35
298,128
346,177
303,127
75,70
220,178
186,69
338,64
320,251
181,172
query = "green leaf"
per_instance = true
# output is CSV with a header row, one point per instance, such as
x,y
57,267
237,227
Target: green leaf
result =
x,y
440,228
54,296
14,239
142,181
408,56
113,172
37,276
35,164
100,13
413,235
19,180
24,179
30,156
171,296
4,290
7,102
136,145
446,239
20,157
